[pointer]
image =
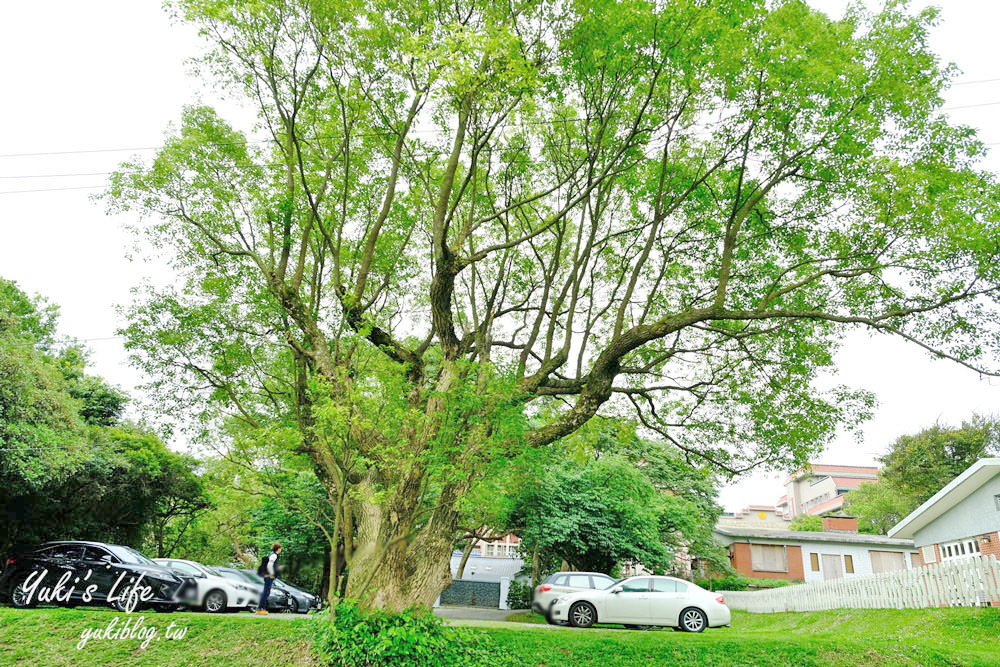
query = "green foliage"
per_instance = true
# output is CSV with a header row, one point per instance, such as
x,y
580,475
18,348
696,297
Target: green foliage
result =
x,y
68,468
737,582
593,516
807,523
666,210
519,594
918,466
412,638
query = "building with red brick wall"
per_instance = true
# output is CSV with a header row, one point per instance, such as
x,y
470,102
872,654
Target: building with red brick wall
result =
x,y
960,521
838,552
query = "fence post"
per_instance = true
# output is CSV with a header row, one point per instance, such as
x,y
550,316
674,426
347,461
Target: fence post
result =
x,y
504,588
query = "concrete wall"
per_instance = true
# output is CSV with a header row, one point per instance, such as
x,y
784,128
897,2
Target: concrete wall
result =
x,y
975,515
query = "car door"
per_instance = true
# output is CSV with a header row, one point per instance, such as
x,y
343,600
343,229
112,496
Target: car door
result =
x,y
99,562
629,605
61,562
667,597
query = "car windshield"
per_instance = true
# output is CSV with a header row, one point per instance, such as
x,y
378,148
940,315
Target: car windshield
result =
x,y
211,570
235,576
129,555
614,582
253,577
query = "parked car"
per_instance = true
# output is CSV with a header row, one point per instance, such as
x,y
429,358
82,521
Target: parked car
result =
x,y
278,600
216,593
638,601
289,603
91,574
304,600
561,583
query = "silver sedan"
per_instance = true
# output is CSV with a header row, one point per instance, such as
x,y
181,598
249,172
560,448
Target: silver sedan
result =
x,y
645,601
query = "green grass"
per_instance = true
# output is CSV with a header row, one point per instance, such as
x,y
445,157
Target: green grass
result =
x,y
868,637
840,637
48,637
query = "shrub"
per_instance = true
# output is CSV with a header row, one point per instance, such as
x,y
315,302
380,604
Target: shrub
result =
x,y
740,583
413,638
519,595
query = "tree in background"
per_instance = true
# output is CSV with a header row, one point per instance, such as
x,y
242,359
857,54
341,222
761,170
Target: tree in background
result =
x,y
69,467
474,226
918,466
593,517
808,523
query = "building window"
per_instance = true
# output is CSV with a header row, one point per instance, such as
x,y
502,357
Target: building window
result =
x,y
814,562
848,565
768,558
996,500
965,548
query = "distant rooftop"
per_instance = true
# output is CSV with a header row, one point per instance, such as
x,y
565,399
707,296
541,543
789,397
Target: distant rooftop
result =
x,y
805,536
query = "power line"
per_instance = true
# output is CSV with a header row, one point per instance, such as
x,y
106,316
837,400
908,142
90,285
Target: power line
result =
x,y
970,106
969,83
90,173
77,187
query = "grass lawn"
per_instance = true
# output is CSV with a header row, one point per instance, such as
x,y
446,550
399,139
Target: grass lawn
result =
x,y
869,637
48,637
840,637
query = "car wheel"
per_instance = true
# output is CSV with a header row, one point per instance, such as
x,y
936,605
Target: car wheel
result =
x,y
693,620
19,596
582,615
215,602
293,608
119,605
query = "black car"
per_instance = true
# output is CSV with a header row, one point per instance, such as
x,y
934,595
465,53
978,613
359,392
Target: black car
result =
x,y
71,573
304,600
278,600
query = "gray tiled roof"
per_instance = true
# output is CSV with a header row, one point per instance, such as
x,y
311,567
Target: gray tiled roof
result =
x,y
481,568
805,536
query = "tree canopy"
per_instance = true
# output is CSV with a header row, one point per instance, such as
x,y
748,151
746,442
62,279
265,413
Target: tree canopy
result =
x,y
473,226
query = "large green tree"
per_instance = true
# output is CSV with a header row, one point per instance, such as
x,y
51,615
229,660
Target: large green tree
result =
x,y
472,226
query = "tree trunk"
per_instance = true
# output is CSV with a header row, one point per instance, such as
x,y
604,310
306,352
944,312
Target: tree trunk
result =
x,y
405,576
465,557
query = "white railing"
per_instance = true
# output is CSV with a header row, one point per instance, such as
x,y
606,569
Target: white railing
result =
x,y
960,583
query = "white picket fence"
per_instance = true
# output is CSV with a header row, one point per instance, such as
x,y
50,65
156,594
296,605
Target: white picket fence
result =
x,y
959,583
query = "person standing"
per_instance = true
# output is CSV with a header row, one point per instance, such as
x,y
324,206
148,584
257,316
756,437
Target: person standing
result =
x,y
269,570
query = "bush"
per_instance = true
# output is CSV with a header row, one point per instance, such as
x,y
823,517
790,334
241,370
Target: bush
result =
x,y
519,595
740,583
413,638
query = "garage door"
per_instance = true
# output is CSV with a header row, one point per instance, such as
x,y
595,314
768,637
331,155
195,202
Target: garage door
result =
x,y
887,561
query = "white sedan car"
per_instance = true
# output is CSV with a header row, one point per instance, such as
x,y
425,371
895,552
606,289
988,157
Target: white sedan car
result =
x,y
215,592
645,600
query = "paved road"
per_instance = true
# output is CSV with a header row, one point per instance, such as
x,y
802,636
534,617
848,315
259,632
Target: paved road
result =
x,y
472,613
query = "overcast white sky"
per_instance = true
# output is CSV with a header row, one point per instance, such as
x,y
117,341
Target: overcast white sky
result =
x,y
106,74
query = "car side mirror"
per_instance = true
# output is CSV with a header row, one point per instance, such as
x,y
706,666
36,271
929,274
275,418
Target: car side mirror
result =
x,y
106,558
617,589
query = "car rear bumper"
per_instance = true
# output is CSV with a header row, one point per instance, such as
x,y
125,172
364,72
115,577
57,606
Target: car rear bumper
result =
x,y
718,615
